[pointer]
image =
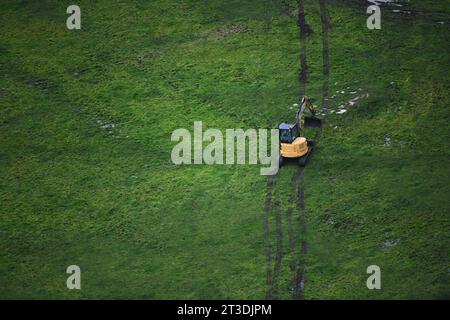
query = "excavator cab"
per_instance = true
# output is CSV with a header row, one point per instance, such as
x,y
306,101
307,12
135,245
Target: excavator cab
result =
x,y
288,132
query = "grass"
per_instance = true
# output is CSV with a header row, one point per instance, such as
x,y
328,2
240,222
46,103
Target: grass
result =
x,y
77,190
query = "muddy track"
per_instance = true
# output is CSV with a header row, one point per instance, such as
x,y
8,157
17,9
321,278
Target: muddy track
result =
x,y
325,52
273,205
325,21
299,262
304,30
289,214
271,181
279,247
298,245
299,275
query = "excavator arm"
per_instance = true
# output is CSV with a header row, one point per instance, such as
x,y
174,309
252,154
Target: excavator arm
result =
x,y
305,104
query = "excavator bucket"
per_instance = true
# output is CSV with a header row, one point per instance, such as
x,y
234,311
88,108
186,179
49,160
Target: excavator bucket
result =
x,y
312,122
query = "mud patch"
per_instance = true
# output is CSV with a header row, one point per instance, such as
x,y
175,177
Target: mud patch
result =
x,y
230,30
41,84
329,219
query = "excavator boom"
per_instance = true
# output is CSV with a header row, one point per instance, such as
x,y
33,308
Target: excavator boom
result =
x,y
310,121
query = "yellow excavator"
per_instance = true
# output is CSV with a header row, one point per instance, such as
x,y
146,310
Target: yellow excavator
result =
x,y
292,142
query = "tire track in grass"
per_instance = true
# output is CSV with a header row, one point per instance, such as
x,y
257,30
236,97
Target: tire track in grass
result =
x,y
289,214
279,247
271,182
299,275
304,32
299,289
273,204
325,21
325,52
298,261
296,176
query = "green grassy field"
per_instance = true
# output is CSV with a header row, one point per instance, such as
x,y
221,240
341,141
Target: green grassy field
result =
x,y
86,176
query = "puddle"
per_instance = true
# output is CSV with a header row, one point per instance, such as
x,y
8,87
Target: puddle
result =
x,y
329,219
398,3
105,126
343,107
403,7
388,244
395,3
401,11
353,101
